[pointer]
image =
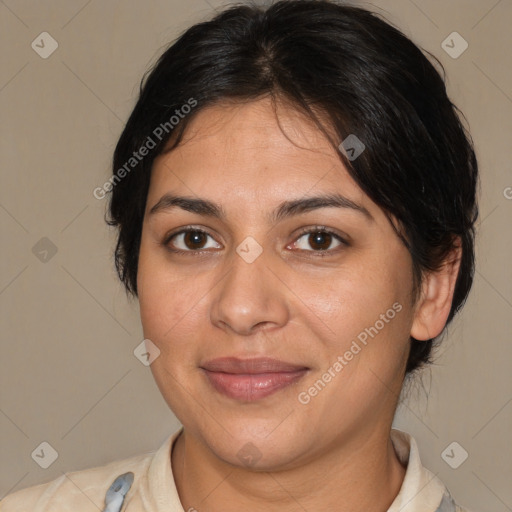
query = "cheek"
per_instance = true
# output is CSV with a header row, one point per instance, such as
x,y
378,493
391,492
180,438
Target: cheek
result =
x,y
370,304
362,290
164,298
168,311
174,311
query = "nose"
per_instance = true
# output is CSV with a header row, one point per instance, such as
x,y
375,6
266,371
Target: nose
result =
x,y
249,297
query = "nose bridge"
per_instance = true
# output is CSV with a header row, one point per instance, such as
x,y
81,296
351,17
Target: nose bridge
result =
x,y
249,294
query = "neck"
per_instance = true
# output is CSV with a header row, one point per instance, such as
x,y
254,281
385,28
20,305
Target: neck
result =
x,y
362,474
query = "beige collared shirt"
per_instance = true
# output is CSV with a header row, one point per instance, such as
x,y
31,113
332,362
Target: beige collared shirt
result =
x,y
154,490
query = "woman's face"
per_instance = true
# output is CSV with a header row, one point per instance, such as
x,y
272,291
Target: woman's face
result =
x,y
322,288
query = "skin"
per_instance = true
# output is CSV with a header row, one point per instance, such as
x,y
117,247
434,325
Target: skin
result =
x,y
333,453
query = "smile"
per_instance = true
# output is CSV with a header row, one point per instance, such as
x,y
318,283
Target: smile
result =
x,y
251,379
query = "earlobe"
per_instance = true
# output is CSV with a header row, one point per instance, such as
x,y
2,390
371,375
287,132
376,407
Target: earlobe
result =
x,y
434,304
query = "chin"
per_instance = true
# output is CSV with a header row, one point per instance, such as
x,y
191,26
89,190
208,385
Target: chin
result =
x,y
257,454
256,444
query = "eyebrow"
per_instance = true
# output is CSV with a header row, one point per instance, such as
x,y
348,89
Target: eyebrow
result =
x,y
286,209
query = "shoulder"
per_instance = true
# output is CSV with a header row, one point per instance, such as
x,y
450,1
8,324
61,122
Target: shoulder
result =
x,y
79,490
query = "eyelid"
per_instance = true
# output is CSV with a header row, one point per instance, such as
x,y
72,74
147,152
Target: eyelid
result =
x,y
323,229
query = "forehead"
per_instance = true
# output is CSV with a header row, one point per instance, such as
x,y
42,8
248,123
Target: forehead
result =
x,y
252,153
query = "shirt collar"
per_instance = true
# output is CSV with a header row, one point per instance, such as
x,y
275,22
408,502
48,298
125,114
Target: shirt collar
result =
x,y
421,490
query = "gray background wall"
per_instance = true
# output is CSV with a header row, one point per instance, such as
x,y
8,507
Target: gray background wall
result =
x,y
68,374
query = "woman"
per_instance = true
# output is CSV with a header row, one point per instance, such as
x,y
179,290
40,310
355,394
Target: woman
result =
x,y
295,199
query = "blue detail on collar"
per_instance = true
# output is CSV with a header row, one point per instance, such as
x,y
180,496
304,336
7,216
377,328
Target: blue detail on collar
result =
x,y
447,504
116,493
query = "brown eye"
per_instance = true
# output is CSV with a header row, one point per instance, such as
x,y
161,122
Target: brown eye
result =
x,y
194,239
190,240
319,240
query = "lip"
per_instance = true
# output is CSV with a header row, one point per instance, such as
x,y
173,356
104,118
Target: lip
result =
x,y
251,379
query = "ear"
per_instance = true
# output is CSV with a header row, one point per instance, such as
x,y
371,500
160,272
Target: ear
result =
x,y
435,302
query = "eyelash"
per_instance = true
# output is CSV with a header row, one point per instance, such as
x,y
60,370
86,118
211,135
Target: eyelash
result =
x,y
306,231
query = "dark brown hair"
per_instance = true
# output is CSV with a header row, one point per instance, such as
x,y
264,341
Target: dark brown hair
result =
x,y
364,76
